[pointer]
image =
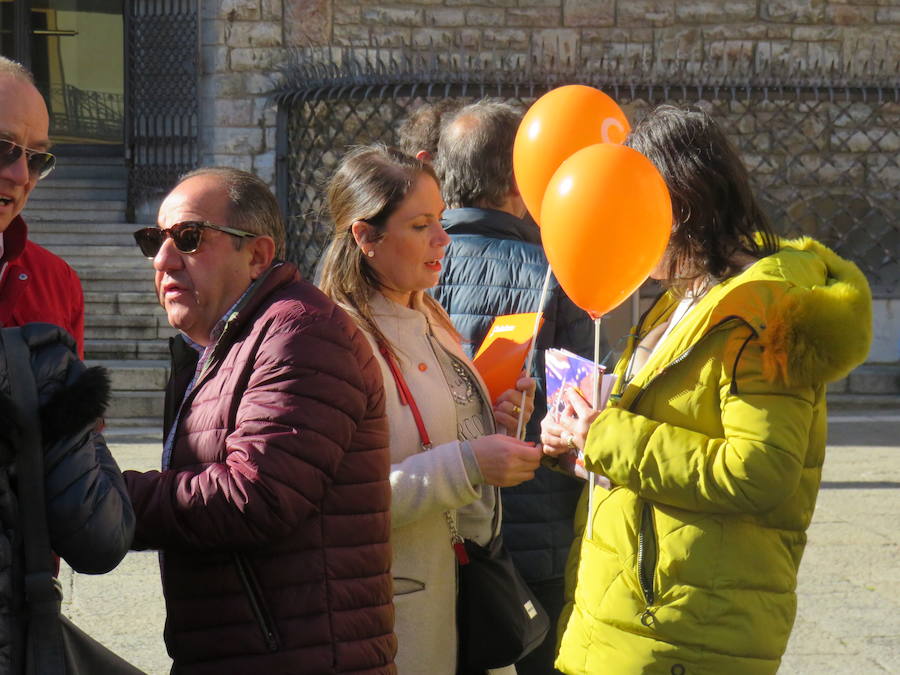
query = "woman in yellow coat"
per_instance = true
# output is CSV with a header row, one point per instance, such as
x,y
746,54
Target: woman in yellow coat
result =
x,y
715,436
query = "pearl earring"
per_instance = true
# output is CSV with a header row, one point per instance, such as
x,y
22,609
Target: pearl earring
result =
x,y
371,254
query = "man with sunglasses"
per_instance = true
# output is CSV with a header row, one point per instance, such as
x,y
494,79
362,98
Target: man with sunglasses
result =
x,y
271,509
35,284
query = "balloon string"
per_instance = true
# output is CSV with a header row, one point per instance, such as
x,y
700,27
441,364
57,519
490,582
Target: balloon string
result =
x,y
530,359
598,379
636,307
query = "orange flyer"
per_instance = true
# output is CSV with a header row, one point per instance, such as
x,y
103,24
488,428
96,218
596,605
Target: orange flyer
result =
x,y
501,356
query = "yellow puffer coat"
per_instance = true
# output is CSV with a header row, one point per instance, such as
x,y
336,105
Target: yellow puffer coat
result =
x,y
715,449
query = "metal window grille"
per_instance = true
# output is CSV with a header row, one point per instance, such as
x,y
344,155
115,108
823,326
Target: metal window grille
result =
x,y
162,95
822,148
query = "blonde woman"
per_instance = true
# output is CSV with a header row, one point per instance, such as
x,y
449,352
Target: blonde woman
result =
x,y
387,250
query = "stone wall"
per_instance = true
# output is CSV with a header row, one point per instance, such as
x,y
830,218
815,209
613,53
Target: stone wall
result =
x,y
243,41
243,48
805,31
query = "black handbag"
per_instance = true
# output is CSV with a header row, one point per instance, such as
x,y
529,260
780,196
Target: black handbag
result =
x,y
498,619
53,644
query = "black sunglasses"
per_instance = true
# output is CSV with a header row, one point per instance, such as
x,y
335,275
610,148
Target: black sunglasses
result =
x,y
39,163
185,235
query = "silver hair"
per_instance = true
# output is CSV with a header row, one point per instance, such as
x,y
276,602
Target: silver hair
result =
x,y
16,69
474,158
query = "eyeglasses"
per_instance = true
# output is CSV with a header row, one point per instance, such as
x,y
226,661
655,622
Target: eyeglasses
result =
x,y
39,163
185,235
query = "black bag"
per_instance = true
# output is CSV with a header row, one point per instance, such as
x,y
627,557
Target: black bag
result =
x,y
56,646
85,655
53,644
499,620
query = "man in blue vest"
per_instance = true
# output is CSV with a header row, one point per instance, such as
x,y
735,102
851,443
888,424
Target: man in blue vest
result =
x,y
495,265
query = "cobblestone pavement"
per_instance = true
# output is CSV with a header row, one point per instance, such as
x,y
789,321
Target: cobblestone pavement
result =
x,y
848,619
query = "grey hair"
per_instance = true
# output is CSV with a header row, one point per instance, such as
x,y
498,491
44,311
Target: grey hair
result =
x,y
15,69
474,158
253,207
422,129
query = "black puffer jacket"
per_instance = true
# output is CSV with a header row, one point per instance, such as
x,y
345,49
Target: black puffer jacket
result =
x,y
495,265
91,521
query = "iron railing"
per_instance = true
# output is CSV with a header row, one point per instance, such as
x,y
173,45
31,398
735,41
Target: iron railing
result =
x,y
822,144
85,114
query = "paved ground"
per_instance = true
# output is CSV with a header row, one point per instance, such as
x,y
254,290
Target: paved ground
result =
x,y
848,619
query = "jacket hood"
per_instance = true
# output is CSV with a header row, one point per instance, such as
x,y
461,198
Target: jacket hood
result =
x,y
70,396
820,328
811,309
81,403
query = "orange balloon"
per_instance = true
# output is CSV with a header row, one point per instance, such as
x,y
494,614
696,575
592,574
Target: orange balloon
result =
x,y
558,124
607,217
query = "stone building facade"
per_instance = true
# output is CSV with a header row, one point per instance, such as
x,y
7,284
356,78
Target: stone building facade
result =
x,y
246,44
243,43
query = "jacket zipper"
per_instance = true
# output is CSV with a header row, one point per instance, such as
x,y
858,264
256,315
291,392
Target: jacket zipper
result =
x,y
263,617
646,561
681,357
648,552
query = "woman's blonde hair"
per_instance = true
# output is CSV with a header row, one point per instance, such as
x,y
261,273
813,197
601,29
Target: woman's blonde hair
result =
x,y
369,185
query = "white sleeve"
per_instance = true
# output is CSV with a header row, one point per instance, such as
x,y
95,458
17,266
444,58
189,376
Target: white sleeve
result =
x,y
425,482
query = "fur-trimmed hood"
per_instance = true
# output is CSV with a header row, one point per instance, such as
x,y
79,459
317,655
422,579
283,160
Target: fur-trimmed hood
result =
x,y
819,332
811,308
69,410
71,396
79,404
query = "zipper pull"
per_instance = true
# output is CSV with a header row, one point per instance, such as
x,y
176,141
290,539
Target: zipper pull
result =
x,y
647,618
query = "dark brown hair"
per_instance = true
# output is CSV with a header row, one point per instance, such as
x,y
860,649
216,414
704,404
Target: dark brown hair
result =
x,y
421,130
715,213
369,185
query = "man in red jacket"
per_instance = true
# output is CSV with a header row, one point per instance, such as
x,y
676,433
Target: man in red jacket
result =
x,y
35,284
272,506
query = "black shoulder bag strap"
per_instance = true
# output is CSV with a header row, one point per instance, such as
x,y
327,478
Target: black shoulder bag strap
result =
x,y
44,645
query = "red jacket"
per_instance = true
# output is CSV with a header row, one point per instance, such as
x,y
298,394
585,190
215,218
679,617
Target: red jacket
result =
x,y
274,516
37,285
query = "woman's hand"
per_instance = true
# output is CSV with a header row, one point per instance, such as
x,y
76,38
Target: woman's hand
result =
x,y
514,402
505,461
570,432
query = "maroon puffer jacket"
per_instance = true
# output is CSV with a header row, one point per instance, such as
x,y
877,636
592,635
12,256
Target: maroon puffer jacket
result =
x,y
274,516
